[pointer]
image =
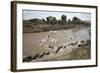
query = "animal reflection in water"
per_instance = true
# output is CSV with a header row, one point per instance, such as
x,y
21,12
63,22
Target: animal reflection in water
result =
x,y
57,48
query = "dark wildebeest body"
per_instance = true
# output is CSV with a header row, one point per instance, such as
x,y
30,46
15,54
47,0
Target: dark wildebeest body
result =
x,y
80,45
82,42
58,49
51,47
65,46
27,59
42,55
73,44
47,53
36,56
88,42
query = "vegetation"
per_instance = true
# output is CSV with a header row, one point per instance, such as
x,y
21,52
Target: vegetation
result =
x,y
83,52
51,23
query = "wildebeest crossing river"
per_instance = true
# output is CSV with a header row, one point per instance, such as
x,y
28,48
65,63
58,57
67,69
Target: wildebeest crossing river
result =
x,y
53,45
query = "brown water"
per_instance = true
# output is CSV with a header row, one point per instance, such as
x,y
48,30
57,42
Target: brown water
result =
x,y
34,43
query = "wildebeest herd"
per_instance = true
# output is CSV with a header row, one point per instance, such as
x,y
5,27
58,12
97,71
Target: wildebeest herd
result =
x,y
58,48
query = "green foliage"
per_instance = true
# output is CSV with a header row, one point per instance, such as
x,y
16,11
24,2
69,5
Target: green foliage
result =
x,y
51,20
75,19
63,19
51,23
43,20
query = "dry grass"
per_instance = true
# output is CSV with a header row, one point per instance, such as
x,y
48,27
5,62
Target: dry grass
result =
x,y
81,53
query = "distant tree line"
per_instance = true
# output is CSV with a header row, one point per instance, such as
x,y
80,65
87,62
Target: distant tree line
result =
x,y
51,20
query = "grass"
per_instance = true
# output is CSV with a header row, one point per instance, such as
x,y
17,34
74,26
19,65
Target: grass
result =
x,y
81,53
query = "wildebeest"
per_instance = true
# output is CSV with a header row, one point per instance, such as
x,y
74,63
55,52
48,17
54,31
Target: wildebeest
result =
x,y
35,56
88,42
48,36
53,40
42,55
82,41
59,47
64,46
47,53
80,45
27,59
73,44
76,43
43,41
51,47
52,32
71,38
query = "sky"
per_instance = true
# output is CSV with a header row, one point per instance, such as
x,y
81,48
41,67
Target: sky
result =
x,y
31,14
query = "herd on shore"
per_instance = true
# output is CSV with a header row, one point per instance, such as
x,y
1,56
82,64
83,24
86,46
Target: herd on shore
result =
x,y
58,48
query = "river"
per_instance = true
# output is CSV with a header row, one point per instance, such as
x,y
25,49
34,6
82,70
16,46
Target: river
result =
x,y
37,43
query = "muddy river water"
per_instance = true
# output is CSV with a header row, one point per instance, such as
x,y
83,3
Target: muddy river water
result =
x,y
37,43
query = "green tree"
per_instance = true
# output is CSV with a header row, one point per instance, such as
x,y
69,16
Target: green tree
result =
x,y
69,21
75,19
63,19
54,21
43,21
47,19
51,20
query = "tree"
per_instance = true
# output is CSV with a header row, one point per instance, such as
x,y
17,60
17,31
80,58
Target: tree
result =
x,y
51,20
69,20
54,21
75,19
43,21
47,19
63,19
